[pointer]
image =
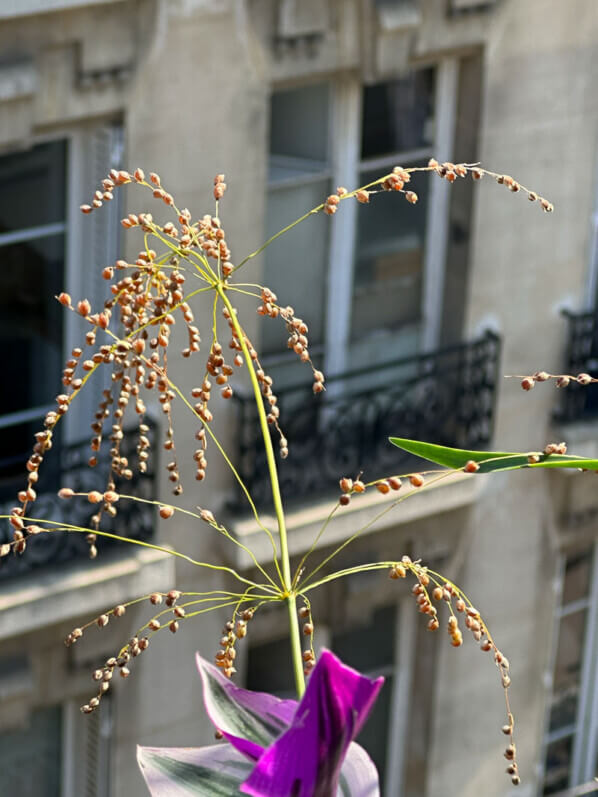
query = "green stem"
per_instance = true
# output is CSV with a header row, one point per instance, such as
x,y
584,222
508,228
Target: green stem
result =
x,y
289,594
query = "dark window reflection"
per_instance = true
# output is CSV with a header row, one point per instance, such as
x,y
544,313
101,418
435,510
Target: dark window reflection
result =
x,y
32,193
30,757
398,115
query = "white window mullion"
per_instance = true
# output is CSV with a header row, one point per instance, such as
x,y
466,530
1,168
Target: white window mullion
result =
x,y
398,733
447,80
586,749
346,125
70,714
92,242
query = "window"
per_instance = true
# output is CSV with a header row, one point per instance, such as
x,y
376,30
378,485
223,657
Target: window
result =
x,y
43,244
30,756
370,274
32,247
87,738
571,739
299,179
397,128
372,648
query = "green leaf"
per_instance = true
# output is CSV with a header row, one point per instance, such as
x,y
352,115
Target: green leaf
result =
x,y
215,771
256,716
489,461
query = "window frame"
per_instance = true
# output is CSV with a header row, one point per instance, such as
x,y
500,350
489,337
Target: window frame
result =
x,y
584,731
347,165
78,141
402,670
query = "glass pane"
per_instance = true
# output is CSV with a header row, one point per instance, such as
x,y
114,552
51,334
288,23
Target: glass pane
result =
x,y
299,131
296,264
389,259
578,570
32,187
269,668
30,758
558,763
398,115
567,670
31,275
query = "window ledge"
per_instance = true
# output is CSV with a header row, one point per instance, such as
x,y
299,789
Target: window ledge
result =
x,y
24,8
34,601
455,491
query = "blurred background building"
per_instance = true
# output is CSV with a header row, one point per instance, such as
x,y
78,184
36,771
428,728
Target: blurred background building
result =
x,y
415,313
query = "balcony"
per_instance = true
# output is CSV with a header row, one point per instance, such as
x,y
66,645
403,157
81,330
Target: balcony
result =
x,y
579,403
446,397
66,465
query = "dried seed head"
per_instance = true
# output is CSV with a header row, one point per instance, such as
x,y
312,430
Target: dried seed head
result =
x,y
346,485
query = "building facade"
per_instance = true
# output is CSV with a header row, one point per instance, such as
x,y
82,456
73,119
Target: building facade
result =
x,y
415,313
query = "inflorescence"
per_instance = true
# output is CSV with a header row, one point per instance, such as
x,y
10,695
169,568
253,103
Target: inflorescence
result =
x,y
147,298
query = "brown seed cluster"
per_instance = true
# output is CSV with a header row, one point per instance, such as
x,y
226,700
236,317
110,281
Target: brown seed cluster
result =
x,y
233,630
431,589
136,645
451,171
147,295
265,381
384,486
309,656
561,380
296,328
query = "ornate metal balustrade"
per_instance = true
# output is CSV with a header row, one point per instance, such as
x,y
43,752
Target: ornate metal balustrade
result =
x,y
446,397
579,403
67,466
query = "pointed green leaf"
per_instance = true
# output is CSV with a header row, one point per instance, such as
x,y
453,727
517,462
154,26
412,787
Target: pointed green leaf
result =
x,y
215,771
489,461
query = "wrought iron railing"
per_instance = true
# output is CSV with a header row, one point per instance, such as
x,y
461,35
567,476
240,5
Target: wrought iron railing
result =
x,y
446,397
579,403
66,465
